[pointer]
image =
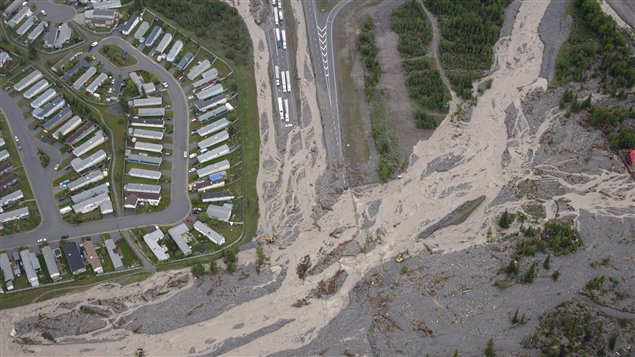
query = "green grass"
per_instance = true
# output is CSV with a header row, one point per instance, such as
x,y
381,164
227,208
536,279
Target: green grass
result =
x,y
325,5
51,291
128,257
106,263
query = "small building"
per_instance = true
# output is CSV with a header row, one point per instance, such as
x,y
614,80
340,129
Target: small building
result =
x,y
14,215
36,89
176,233
17,18
51,108
146,102
83,131
218,125
10,9
43,98
213,154
153,36
10,198
8,180
140,187
82,63
132,199
211,234
88,194
213,168
151,112
185,61
149,88
207,104
29,270
37,31
214,140
130,25
141,31
25,82
106,207
145,174
35,262
69,126
116,88
221,196
7,271
113,253
57,120
92,143
134,77
152,240
163,44
206,185
57,37
5,59
51,263
91,204
147,134
80,165
222,213
148,123
199,69
150,147
88,179
26,26
79,83
103,18
92,257
105,4
209,77
215,113
4,154
174,51
96,83
5,167
145,159
212,91
74,257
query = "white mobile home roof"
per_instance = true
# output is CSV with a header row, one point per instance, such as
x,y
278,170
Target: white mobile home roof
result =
x,y
212,114
49,260
79,83
7,272
114,254
141,31
209,233
213,154
37,31
91,177
28,80
207,104
80,165
26,26
156,32
95,191
150,123
130,25
198,69
147,102
37,88
2,142
222,213
151,240
58,119
177,235
4,154
213,168
143,146
69,126
216,89
43,98
214,139
92,87
92,143
136,79
208,77
165,41
151,112
146,174
148,134
174,51
91,204
105,4
24,12
12,7
149,88
13,215
10,198
106,207
142,187
213,127
49,109
145,160
27,264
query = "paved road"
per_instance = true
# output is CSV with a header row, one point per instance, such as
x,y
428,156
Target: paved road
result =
x,y
55,13
321,45
53,227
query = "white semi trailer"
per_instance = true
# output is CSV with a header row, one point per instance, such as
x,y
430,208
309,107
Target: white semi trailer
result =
x,y
280,108
288,76
277,70
284,39
286,110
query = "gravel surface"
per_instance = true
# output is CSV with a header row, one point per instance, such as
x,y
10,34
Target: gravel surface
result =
x,y
553,31
625,9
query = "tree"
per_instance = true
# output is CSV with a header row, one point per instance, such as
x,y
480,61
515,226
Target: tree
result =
x,y
213,268
198,270
229,256
547,263
32,52
489,350
505,220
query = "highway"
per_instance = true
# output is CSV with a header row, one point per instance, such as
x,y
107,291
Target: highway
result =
x,y
321,44
52,226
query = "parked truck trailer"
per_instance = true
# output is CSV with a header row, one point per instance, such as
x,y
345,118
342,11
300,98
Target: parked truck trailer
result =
x,y
288,77
284,39
280,108
286,110
277,75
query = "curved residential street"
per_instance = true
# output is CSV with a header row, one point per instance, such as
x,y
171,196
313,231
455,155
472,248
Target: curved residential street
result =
x,y
52,226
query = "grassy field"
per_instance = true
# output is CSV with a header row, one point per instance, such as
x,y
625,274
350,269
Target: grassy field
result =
x,y
51,291
115,54
34,219
325,5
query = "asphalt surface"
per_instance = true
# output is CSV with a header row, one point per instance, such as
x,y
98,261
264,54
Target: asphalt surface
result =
x,y
52,226
321,45
55,13
625,9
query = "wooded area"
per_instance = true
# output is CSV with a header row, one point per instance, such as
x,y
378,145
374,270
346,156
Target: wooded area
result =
x,y
423,81
469,30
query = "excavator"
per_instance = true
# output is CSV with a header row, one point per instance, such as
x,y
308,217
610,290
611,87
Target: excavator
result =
x,y
402,256
266,239
139,352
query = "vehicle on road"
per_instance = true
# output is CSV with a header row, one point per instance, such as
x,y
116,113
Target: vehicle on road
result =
x,y
16,139
164,84
41,240
194,120
284,39
185,154
277,73
43,13
64,236
193,169
188,220
57,167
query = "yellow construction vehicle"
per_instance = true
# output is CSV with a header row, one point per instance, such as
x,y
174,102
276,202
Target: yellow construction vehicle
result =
x,y
139,352
266,239
402,256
